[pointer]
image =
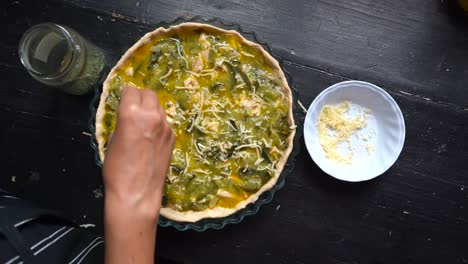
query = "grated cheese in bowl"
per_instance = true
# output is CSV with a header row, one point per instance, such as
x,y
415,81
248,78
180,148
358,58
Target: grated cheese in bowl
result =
x,y
336,126
346,139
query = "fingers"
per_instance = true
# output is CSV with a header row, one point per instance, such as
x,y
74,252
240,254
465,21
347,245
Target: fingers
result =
x,y
149,99
144,97
109,138
138,104
130,96
161,112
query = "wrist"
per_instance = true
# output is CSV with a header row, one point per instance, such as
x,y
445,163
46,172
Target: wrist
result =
x,y
129,209
130,231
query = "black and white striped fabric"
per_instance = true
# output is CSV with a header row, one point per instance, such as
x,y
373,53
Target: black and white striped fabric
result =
x,y
32,235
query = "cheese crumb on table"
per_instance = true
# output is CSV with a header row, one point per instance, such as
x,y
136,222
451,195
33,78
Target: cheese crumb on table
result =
x,y
336,127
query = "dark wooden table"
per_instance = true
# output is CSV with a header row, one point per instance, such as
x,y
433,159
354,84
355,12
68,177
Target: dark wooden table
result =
x,y
417,50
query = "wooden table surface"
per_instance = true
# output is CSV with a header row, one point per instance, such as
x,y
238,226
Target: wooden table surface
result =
x,y
417,50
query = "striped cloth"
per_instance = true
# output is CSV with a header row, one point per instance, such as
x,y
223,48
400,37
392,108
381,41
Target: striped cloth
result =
x,y
32,235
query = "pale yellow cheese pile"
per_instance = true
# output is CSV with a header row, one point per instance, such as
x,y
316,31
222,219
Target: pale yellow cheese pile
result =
x,y
335,127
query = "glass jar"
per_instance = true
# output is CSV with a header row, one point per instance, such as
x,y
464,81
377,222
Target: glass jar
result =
x,y
58,56
463,5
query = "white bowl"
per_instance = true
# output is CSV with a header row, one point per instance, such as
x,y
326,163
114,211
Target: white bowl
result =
x,y
385,125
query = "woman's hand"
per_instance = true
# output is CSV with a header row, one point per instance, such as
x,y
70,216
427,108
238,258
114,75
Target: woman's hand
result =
x,y
138,152
137,158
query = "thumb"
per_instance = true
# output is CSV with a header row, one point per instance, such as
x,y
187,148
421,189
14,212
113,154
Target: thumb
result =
x,y
109,140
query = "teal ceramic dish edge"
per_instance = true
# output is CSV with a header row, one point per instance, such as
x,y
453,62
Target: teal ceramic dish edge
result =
x,y
266,197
